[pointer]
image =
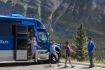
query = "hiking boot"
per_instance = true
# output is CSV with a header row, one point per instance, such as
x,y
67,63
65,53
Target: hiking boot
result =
x,y
72,66
91,66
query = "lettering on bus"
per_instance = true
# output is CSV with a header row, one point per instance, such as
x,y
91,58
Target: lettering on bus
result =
x,y
4,42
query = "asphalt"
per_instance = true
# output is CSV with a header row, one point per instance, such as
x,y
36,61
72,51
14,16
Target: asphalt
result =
x,y
46,67
26,63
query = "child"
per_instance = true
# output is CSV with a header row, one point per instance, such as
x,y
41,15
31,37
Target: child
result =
x,y
68,52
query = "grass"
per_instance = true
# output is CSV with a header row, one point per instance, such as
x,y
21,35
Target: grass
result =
x,y
99,61
96,61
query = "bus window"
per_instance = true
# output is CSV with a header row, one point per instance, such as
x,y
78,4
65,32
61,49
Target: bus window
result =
x,y
39,24
5,29
42,36
31,31
21,44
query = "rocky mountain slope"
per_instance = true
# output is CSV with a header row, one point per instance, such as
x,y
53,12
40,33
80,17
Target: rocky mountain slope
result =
x,y
63,15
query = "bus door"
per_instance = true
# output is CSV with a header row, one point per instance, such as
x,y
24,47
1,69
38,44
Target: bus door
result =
x,y
21,38
31,34
22,35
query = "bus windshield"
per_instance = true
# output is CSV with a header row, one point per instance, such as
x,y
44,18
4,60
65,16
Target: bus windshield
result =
x,y
43,36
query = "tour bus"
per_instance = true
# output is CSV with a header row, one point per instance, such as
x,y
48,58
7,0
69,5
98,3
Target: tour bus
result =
x,y
15,31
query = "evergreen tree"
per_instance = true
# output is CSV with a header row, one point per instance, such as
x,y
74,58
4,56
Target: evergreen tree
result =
x,y
80,40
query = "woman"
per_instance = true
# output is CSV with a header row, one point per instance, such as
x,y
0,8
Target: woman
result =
x,y
68,52
34,47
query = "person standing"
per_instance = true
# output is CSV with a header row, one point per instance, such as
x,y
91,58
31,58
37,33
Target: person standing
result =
x,y
34,47
58,51
90,46
68,52
53,54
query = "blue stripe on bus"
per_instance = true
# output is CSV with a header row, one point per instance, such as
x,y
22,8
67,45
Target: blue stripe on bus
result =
x,y
6,43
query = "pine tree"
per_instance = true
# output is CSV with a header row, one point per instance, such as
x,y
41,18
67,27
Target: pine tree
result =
x,y
80,40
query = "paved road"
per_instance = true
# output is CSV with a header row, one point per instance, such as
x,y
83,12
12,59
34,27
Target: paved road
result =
x,y
46,67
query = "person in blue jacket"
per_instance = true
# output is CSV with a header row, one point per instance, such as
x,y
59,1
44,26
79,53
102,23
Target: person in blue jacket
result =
x,y
53,54
90,46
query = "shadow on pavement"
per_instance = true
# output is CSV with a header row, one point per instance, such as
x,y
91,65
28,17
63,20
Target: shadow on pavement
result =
x,y
63,67
20,64
85,67
47,66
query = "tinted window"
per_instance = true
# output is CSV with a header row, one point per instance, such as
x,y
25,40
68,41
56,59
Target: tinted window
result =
x,y
42,35
39,24
6,28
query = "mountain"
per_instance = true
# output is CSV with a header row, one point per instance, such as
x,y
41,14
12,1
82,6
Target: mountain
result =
x,y
64,16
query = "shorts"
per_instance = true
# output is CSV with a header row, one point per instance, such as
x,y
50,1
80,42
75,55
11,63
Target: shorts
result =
x,y
33,49
68,54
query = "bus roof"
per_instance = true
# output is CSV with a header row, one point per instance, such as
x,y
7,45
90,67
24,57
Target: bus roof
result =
x,y
15,18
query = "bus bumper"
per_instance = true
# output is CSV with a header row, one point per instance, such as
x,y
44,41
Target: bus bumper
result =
x,y
42,55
